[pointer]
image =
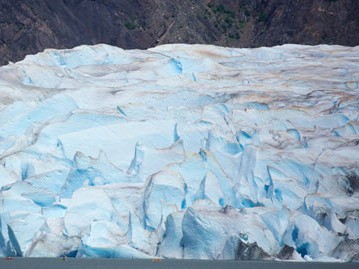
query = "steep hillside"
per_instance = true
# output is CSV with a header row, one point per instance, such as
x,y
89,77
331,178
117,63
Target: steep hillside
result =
x,y
27,27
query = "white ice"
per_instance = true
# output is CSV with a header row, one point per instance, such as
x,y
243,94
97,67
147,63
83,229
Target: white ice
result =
x,y
181,151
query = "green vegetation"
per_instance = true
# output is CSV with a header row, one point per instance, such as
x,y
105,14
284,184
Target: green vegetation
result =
x,y
263,17
225,18
234,35
241,24
130,25
222,10
228,20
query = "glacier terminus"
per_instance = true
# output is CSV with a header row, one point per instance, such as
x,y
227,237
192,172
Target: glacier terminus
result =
x,y
181,151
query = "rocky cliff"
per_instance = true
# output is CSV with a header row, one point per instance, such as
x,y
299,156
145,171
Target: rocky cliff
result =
x,y
27,27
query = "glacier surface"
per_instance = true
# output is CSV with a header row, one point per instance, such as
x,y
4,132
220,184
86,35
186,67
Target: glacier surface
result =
x,y
181,151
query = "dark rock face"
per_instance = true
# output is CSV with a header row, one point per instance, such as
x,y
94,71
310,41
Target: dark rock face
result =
x,y
286,253
27,27
250,251
347,250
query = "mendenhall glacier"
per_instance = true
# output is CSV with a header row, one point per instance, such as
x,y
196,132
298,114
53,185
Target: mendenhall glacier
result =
x,y
181,151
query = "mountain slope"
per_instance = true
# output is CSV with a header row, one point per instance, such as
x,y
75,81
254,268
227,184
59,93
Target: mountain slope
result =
x,y
27,27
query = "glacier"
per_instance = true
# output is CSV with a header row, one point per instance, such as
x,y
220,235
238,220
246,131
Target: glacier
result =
x,y
181,151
